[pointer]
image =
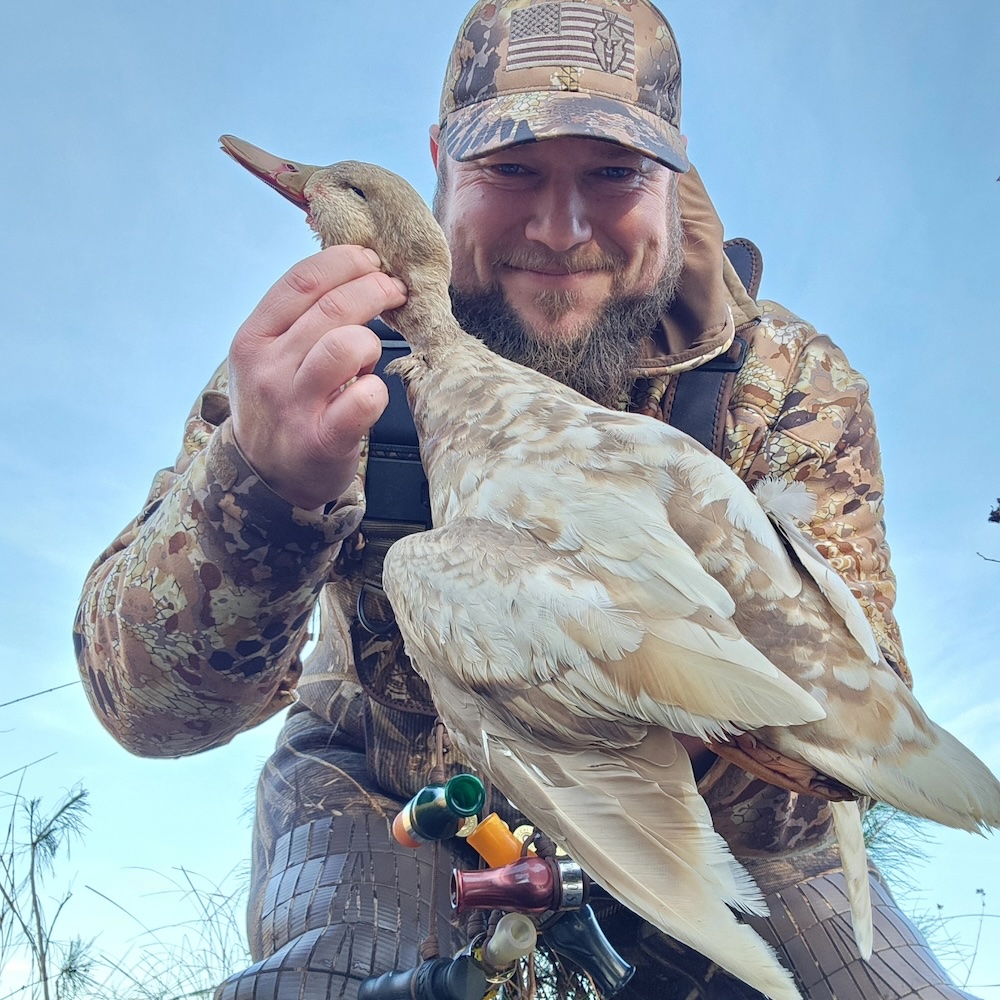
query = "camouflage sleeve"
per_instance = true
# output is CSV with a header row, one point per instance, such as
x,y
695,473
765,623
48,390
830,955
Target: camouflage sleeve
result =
x,y
191,621
823,434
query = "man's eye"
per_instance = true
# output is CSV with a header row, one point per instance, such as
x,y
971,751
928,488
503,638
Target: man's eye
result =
x,y
508,169
618,173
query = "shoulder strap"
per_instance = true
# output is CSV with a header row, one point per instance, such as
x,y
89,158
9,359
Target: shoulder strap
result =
x,y
395,484
698,400
396,487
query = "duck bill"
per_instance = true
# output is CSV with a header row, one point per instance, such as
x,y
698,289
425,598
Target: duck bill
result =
x,y
287,177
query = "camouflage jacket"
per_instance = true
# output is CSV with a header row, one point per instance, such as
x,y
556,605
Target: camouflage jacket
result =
x,y
192,621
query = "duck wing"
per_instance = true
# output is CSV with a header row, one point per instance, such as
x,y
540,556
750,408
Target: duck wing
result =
x,y
788,504
512,640
876,738
501,609
633,819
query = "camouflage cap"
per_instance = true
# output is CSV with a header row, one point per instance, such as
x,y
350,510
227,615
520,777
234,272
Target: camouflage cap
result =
x,y
525,70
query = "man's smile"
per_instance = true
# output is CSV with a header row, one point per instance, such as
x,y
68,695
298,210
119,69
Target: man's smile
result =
x,y
555,277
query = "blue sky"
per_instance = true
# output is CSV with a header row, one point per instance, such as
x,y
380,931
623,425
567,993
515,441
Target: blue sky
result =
x,y
856,143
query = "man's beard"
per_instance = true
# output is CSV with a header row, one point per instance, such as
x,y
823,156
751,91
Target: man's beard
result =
x,y
600,360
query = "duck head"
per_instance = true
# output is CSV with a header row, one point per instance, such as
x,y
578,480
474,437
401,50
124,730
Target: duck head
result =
x,y
360,203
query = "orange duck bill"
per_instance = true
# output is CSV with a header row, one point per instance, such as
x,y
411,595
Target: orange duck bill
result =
x,y
287,177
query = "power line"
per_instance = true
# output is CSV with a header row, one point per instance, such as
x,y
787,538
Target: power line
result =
x,y
25,697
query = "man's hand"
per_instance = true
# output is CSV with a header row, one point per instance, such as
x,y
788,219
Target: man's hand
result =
x,y
300,368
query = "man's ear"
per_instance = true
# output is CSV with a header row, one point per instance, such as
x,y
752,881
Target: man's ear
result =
x,y
435,131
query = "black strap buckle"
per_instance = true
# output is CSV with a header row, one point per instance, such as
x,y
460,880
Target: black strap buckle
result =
x,y
723,363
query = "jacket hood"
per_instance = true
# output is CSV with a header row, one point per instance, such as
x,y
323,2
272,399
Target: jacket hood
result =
x,y
711,303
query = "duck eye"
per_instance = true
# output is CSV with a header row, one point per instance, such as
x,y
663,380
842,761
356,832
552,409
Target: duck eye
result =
x,y
359,192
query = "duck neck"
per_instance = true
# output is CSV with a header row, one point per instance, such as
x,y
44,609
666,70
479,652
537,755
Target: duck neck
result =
x,y
426,321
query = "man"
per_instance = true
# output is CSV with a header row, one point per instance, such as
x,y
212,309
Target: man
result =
x,y
583,246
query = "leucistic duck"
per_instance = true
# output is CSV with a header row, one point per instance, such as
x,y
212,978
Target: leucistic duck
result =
x,y
596,581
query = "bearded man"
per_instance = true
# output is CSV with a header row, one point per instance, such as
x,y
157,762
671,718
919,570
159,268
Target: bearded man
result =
x,y
583,246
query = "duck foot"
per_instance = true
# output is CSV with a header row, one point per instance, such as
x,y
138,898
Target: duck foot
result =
x,y
747,752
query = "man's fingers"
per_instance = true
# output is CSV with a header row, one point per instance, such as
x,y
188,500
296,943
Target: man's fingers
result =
x,y
303,285
333,361
350,304
352,412
301,383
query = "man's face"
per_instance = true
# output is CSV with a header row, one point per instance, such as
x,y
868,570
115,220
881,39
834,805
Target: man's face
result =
x,y
561,228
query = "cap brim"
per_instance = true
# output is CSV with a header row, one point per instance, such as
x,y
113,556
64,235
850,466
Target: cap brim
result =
x,y
514,119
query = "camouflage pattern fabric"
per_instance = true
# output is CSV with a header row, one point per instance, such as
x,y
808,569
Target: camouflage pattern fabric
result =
x,y
335,896
524,70
809,926
191,622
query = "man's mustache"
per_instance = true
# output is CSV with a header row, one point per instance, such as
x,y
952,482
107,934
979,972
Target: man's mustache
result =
x,y
537,259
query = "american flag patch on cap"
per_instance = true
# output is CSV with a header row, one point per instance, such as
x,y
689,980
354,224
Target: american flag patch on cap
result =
x,y
571,34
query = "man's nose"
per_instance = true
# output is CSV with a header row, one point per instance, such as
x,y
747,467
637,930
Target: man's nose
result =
x,y
560,218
